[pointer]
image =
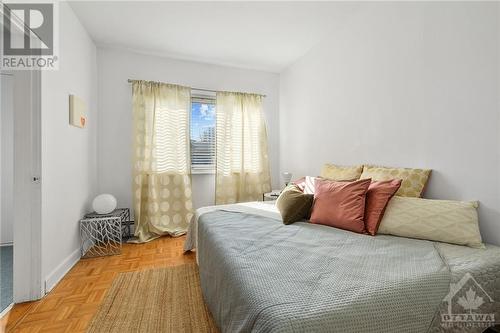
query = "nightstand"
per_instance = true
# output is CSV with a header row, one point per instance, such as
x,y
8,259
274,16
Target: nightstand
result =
x,y
100,236
271,196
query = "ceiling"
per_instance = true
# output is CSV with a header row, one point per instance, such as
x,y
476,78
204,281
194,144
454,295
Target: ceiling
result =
x,y
266,36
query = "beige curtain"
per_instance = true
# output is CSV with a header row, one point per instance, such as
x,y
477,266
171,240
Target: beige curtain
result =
x,y
242,171
161,169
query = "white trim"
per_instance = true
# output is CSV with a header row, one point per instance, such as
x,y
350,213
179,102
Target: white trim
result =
x,y
27,193
7,244
61,270
6,310
27,272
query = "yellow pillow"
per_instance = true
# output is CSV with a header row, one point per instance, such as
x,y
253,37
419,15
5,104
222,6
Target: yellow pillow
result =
x,y
340,173
446,221
413,180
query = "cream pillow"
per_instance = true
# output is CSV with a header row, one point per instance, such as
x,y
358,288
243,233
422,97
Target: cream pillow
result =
x,y
446,221
341,173
413,180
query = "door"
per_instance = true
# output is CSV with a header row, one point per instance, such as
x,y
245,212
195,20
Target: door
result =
x,y
27,188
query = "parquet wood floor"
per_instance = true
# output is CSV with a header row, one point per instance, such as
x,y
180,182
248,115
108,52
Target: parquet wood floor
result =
x,y
70,306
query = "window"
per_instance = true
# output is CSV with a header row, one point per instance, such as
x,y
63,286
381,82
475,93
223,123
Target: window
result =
x,y
202,135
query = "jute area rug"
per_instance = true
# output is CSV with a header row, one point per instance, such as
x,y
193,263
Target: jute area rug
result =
x,y
159,300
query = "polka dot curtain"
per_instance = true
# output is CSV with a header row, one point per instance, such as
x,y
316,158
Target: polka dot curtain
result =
x,y
242,167
161,179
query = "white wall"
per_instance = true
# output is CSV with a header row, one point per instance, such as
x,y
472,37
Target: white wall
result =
x,y
116,66
7,160
408,84
69,168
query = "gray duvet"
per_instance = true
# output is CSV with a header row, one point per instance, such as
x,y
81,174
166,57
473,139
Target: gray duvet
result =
x,y
258,275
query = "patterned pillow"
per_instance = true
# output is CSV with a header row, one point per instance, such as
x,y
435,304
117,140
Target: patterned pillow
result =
x,y
339,173
446,221
293,204
414,180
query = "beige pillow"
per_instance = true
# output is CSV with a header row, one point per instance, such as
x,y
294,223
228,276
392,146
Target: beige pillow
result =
x,y
446,221
341,173
414,180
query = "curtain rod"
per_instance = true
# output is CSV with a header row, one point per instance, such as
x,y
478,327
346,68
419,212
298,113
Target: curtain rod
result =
x,y
200,89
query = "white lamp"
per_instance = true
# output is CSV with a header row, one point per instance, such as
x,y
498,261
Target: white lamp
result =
x,y
287,176
104,204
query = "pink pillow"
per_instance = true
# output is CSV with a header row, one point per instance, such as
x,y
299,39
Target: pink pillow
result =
x,y
340,204
301,183
378,195
306,184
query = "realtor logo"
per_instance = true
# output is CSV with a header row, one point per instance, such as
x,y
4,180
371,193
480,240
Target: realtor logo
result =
x,y
36,19
29,38
466,300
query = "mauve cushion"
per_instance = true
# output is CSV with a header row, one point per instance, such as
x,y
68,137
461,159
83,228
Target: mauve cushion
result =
x,y
301,183
340,204
306,184
378,195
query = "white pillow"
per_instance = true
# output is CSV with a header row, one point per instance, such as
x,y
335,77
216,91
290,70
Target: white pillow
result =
x,y
309,184
446,221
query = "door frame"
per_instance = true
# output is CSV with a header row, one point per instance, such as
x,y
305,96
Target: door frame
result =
x,y
27,187
27,270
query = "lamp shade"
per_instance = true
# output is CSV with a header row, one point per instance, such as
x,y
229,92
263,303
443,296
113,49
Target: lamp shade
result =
x,y
104,204
287,176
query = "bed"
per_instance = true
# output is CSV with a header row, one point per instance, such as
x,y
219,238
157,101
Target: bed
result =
x,y
258,275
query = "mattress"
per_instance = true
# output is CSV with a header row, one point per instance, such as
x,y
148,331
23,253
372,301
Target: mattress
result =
x,y
258,275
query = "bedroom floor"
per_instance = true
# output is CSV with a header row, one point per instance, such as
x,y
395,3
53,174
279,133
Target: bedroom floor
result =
x,y
6,288
70,306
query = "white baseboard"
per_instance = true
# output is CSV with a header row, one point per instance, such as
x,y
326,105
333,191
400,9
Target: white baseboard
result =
x,y
60,271
7,309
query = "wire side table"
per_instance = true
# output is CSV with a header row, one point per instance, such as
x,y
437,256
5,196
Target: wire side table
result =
x,y
122,213
100,236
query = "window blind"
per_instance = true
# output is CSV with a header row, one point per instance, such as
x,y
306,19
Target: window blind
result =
x,y
202,135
